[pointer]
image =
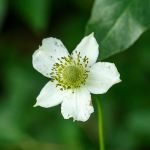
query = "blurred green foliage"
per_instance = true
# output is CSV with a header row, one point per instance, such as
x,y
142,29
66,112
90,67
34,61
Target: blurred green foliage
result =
x,y
22,127
3,7
33,12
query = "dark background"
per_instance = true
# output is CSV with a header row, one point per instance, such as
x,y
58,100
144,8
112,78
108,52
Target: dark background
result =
x,y
126,106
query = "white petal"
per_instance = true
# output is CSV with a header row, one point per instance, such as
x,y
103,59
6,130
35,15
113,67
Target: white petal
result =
x,y
88,47
42,63
49,96
101,77
77,105
47,54
54,47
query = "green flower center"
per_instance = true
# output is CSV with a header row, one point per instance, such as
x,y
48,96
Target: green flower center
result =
x,y
69,73
73,76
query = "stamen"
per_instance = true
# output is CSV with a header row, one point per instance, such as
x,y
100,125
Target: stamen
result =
x,y
69,73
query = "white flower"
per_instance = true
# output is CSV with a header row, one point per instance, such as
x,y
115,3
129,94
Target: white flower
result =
x,y
73,77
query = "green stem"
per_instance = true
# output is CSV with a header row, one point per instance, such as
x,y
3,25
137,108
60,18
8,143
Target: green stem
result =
x,y
100,124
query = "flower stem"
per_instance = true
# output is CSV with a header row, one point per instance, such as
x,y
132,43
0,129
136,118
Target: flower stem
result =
x,y
100,124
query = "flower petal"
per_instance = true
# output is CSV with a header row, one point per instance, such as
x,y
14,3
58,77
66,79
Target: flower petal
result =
x,y
49,96
88,47
42,63
47,54
77,105
101,77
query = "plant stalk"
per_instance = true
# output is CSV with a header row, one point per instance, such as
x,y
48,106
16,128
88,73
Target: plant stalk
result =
x,y
100,125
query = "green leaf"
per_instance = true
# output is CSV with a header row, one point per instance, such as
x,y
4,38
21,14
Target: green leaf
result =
x,y
34,12
3,6
117,24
